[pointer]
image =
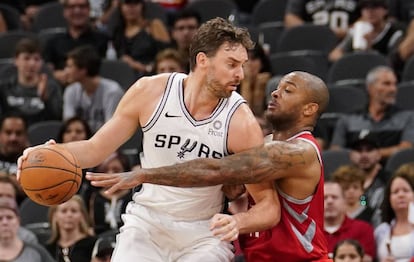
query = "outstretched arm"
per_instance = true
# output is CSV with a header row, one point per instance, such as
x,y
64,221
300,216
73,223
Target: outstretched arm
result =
x,y
265,163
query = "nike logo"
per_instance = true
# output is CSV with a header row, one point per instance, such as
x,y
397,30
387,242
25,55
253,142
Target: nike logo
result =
x,y
167,115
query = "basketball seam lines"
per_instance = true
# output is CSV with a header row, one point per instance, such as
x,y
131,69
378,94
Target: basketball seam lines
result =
x,y
74,181
50,167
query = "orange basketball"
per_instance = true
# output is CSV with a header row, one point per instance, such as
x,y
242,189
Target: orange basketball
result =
x,y
50,175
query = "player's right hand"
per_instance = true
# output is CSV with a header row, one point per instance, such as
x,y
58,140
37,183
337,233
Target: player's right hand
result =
x,y
26,152
116,181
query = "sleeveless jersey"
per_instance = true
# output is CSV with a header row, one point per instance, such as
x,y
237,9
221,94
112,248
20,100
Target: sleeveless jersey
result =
x,y
299,235
173,136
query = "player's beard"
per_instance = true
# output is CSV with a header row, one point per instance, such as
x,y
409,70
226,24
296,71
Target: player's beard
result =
x,y
281,120
217,88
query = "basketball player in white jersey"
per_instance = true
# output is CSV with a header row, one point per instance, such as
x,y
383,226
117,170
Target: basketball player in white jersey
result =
x,y
182,118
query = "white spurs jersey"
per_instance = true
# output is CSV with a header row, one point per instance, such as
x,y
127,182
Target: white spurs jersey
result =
x,y
173,136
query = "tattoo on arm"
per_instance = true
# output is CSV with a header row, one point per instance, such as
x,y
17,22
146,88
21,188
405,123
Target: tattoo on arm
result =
x,y
270,162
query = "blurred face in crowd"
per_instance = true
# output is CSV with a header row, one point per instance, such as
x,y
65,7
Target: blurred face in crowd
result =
x,y
74,73
69,216
132,10
74,132
28,65
183,31
334,201
169,66
401,194
374,14
7,190
253,66
365,157
9,224
114,165
13,136
347,253
76,13
353,192
384,89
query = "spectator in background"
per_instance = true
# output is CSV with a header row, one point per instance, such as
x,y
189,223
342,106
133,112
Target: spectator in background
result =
x,y
339,15
31,7
338,226
74,129
394,128
28,90
89,95
102,251
13,140
384,37
184,25
348,250
71,232
168,61
257,72
395,236
12,247
407,168
405,50
105,210
351,179
9,188
79,32
138,39
365,155
3,23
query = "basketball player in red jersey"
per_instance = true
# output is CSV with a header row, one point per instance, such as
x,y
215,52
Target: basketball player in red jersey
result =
x,y
292,160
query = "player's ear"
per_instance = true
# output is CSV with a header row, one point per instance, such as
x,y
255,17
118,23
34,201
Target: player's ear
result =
x,y
310,109
201,59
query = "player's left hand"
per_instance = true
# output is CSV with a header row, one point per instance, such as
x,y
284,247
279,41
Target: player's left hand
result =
x,y
224,226
115,181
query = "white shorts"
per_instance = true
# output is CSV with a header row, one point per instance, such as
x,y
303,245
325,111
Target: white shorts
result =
x,y
150,236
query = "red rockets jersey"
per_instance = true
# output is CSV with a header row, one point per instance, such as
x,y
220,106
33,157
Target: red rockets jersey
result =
x,y
299,235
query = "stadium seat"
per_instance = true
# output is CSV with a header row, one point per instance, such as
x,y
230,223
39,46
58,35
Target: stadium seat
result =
x,y
8,41
346,99
32,213
46,34
118,71
332,159
50,15
355,66
41,132
408,71
34,217
209,9
269,33
268,11
11,17
307,37
399,158
310,61
405,95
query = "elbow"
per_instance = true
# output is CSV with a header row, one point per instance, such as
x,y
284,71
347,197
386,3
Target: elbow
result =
x,y
276,218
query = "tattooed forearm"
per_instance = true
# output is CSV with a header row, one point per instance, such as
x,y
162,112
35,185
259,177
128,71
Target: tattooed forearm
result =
x,y
260,164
